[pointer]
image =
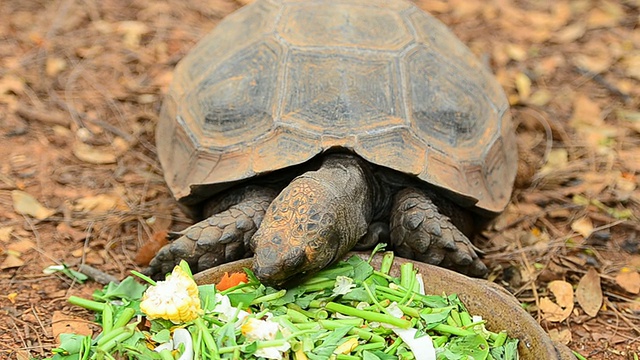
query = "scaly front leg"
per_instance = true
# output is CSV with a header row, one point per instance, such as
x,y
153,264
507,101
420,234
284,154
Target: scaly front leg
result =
x,y
220,238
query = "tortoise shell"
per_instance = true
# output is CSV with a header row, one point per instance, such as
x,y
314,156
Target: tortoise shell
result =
x,y
279,82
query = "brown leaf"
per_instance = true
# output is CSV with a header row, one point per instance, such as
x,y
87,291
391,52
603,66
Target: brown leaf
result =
x,y
570,33
607,15
70,233
589,293
26,204
629,280
558,159
100,204
11,261
22,246
631,306
585,112
583,227
515,52
151,248
94,258
5,233
132,32
94,155
631,63
54,66
523,85
77,252
630,159
563,336
66,324
11,84
596,64
23,355
562,308
541,97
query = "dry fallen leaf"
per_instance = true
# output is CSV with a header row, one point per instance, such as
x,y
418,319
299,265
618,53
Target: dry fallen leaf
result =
x,y
66,324
562,308
585,112
558,159
631,306
515,52
11,84
563,336
583,226
629,280
12,297
71,233
630,159
26,204
11,261
94,155
150,248
94,258
523,85
589,293
100,204
23,355
54,66
77,252
570,33
5,233
22,246
631,63
607,15
132,32
595,64
541,97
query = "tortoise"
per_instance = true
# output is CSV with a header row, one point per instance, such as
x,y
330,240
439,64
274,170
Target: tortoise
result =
x,y
299,130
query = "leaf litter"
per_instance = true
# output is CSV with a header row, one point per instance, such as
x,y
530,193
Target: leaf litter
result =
x,y
73,68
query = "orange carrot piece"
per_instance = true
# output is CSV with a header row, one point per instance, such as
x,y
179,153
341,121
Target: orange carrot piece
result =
x,y
229,281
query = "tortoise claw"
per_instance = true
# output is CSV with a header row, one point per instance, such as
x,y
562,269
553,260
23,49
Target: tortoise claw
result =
x,y
419,231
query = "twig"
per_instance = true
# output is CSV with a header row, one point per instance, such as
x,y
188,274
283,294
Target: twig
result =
x,y
97,275
529,269
42,116
112,129
604,82
624,318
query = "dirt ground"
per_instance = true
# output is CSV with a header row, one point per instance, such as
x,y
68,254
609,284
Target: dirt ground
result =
x,y
81,83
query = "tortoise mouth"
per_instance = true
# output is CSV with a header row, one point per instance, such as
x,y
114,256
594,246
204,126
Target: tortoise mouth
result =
x,y
273,275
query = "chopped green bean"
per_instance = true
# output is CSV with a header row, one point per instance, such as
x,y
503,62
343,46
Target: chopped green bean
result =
x,y
368,315
387,261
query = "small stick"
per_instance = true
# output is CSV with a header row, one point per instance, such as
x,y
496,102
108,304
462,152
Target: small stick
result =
x,y
98,276
42,116
602,81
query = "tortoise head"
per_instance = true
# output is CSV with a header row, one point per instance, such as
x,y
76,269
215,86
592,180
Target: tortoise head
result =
x,y
299,234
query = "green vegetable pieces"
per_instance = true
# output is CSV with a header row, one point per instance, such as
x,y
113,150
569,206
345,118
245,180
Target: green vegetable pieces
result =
x,y
347,311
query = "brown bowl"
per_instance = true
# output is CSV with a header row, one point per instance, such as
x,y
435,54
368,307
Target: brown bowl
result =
x,y
498,307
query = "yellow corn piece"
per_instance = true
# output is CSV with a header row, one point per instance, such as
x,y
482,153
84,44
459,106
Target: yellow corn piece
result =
x,y
175,299
346,347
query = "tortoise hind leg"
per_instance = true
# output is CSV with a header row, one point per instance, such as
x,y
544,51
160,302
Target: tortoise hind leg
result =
x,y
420,231
222,237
